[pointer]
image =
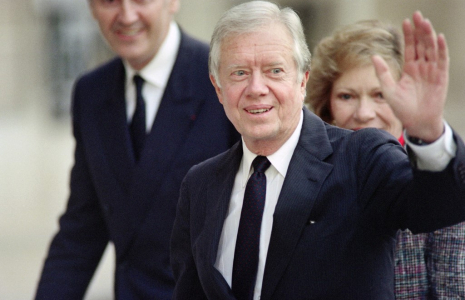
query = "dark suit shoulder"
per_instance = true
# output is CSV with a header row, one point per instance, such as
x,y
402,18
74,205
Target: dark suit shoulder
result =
x,y
194,44
103,74
335,133
191,68
364,139
371,155
98,84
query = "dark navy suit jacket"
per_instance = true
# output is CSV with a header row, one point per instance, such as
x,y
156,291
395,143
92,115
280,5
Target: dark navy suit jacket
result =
x,y
132,205
344,197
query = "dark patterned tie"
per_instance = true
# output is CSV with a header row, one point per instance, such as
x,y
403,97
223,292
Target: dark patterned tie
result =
x,y
245,264
137,126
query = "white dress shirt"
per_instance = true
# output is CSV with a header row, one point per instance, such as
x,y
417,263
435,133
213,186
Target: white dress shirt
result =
x,y
432,157
156,75
437,155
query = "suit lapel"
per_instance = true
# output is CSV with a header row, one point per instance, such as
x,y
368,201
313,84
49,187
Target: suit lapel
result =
x,y
114,129
306,174
218,195
175,117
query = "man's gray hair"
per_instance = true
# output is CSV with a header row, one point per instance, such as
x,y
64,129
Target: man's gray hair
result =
x,y
252,16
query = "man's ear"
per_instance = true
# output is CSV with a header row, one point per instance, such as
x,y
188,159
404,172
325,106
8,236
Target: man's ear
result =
x,y
303,84
217,88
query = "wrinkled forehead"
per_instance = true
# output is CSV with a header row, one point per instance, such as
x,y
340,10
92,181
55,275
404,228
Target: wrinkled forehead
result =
x,y
271,37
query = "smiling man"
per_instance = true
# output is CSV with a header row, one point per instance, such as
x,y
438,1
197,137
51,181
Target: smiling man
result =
x,y
300,209
136,137
263,90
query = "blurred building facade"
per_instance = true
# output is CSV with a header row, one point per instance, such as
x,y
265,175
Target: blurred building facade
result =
x,y
46,44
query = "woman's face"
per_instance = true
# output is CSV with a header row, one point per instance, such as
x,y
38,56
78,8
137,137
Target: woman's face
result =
x,y
357,102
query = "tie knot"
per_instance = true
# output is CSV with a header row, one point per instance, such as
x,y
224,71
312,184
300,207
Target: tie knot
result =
x,y
260,164
138,81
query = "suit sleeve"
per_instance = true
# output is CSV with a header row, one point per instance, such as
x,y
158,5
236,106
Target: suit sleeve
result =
x,y
77,248
440,196
188,284
396,193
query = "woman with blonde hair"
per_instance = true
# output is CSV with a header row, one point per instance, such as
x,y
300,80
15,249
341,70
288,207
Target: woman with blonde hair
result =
x,y
343,90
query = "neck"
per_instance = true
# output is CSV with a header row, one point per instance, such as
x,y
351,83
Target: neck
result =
x,y
264,147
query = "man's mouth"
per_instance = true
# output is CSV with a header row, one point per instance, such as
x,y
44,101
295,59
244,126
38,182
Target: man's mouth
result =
x,y
258,111
129,32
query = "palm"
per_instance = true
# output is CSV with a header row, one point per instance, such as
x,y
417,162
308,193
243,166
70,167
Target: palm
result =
x,y
418,98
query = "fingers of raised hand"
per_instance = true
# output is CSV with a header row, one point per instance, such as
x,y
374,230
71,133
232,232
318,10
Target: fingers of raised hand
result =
x,y
422,39
383,72
409,39
443,53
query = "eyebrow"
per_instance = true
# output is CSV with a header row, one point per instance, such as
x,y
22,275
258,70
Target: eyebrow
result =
x,y
237,66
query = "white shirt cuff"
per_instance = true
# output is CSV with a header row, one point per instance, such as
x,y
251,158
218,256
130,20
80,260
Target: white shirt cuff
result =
x,y
437,155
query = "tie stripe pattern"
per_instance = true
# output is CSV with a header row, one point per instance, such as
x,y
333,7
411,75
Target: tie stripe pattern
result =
x,y
137,127
245,263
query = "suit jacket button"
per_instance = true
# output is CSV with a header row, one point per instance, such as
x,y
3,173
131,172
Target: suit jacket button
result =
x,y
107,210
311,222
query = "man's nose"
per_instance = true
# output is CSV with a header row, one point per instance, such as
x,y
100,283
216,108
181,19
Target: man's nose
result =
x,y
128,12
257,85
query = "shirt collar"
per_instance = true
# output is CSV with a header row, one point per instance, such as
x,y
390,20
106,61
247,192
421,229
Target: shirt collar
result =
x,y
279,160
158,70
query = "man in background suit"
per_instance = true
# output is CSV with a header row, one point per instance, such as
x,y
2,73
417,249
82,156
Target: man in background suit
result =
x,y
334,198
122,192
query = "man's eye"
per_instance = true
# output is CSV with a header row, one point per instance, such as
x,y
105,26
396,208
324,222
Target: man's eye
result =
x,y
276,71
239,73
142,2
107,2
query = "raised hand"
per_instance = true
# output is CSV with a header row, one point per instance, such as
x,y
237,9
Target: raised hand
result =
x,y
418,97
